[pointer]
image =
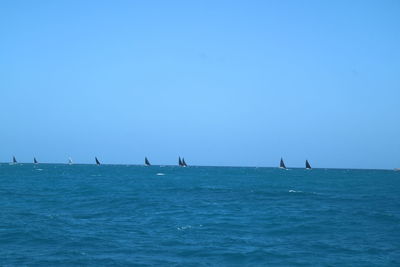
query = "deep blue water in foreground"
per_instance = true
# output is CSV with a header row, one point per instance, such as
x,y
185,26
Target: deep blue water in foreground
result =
x,y
197,216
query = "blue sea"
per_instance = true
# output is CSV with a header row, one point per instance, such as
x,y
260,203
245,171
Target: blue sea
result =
x,y
118,215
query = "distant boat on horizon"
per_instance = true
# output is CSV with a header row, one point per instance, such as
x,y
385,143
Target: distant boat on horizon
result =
x,y
97,161
282,164
69,161
146,162
180,162
184,163
14,160
35,161
308,166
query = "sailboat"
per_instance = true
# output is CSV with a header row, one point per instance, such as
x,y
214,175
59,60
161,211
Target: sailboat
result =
x,y
146,161
184,163
180,162
97,161
35,161
282,164
69,161
14,160
308,166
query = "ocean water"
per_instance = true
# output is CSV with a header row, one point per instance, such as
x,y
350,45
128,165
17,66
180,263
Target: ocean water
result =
x,y
62,215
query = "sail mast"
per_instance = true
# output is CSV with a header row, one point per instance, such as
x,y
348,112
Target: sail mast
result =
x,y
14,160
282,164
308,166
97,161
184,163
35,161
180,161
146,162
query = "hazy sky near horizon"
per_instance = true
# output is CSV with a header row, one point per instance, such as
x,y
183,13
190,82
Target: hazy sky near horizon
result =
x,y
218,82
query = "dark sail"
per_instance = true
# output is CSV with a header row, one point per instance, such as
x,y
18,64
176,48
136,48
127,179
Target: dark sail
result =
x,y
146,162
282,164
35,161
180,162
184,163
308,166
14,159
97,161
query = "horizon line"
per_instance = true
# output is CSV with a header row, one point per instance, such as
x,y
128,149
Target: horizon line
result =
x,y
169,165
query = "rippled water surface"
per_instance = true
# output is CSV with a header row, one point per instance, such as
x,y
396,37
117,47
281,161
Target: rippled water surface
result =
x,y
197,216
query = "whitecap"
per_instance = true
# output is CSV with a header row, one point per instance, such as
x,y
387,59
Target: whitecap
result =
x,y
184,227
294,191
160,174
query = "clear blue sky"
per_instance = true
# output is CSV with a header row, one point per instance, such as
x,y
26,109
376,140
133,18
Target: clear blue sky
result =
x,y
218,82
